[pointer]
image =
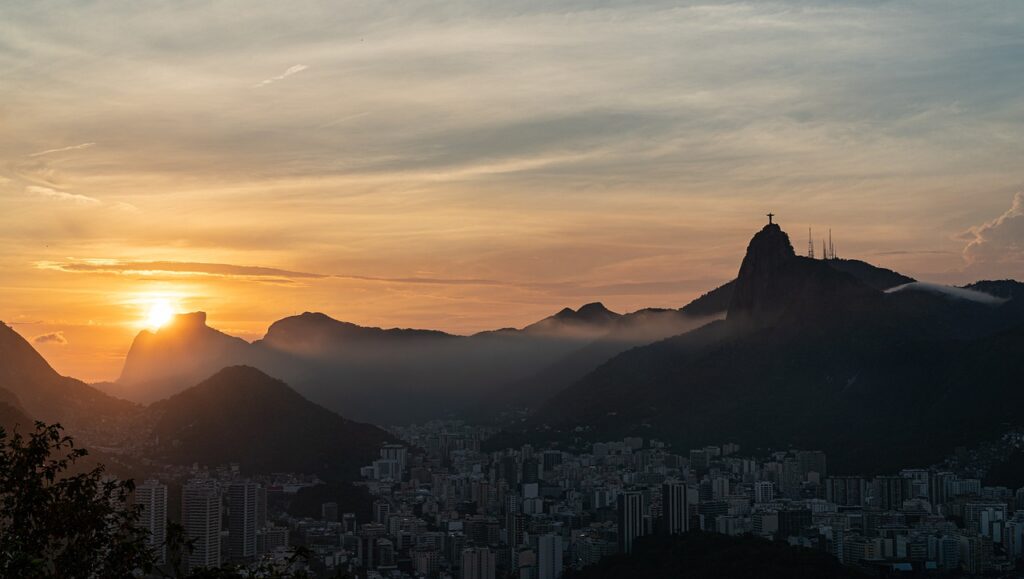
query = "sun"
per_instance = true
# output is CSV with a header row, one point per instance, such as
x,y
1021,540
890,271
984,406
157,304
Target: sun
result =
x,y
160,312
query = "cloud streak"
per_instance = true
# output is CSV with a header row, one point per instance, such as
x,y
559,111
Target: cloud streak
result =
x,y
61,196
62,149
291,70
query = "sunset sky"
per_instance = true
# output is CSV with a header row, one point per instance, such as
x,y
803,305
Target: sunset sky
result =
x,y
471,165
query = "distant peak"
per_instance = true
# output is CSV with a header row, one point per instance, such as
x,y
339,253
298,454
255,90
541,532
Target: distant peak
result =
x,y
565,312
758,286
189,320
593,307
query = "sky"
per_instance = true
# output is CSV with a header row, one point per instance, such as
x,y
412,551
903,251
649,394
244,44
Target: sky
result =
x,y
472,165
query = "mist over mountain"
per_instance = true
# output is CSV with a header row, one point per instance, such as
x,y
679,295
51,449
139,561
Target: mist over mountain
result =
x,y
398,375
813,353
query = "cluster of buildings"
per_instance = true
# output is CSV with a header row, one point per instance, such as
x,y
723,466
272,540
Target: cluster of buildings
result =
x,y
222,515
452,511
442,508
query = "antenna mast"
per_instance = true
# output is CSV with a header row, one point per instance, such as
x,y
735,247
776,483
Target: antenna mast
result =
x,y
810,244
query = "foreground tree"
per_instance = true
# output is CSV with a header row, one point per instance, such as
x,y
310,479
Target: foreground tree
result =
x,y
57,524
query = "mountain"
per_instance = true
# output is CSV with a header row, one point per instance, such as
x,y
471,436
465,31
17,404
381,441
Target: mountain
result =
x,y
394,375
12,415
179,354
242,415
627,331
37,391
314,334
815,356
589,319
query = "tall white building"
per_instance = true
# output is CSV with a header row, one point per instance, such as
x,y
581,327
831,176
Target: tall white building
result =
x,y
631,519
200,516
549,556
674,506
478,563
242,515
152,497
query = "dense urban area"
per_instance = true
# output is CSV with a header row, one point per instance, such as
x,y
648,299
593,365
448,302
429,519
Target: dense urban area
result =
x,y
442,508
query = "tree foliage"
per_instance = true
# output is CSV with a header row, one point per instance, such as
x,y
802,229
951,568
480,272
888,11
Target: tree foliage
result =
x,y
57,524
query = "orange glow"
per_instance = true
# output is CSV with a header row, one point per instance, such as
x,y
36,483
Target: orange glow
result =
x,y
160,311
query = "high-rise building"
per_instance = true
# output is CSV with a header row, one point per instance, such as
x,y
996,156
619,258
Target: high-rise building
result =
x,y
261,506
675,507
478,563
152,497
631,519
846,491
242,520
890,492
349,523
514,519
397,453
764,491
549,556
381,511
201,518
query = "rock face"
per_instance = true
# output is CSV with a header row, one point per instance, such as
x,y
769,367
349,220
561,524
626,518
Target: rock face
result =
x,y
763,286
179,354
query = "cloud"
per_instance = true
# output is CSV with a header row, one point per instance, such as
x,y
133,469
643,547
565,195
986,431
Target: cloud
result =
x,y
62,149
951,292
51,338
62,196
998,245
175,267
291,70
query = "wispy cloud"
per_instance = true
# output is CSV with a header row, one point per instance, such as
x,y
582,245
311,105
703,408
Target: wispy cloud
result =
x,y
156,269
291,70
62,196
175,267
62,149
51,338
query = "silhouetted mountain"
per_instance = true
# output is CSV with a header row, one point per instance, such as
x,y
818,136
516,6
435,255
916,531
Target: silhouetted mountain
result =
x,y
313,334
43,394
390,375
590,319
626,332
873,276
811,355
12,415
242,415
1007,289
712,303
181,353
